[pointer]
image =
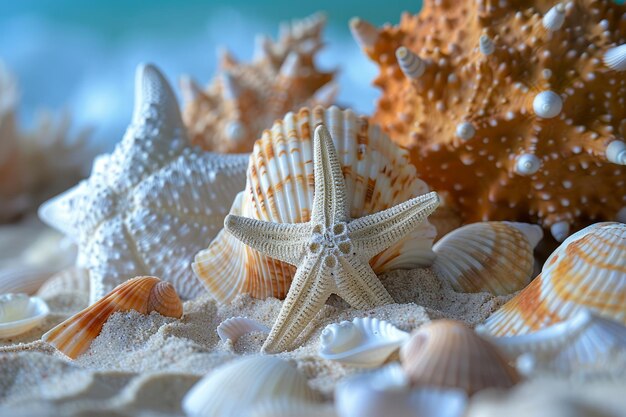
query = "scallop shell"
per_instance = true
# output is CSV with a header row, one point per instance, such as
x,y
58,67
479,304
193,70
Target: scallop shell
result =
x,y
448,354
588,271
142,294
490,256
279,188
237,387
26,279
364,342
584,340
73,279
386,392
235,327
19,313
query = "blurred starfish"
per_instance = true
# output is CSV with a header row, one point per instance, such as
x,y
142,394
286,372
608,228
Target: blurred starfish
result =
x,y
331,251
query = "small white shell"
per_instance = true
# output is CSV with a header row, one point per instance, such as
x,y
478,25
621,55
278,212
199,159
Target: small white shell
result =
x,y
560,231
19,313
237,387
465,130
584,340
547,104
235,327
364,342
615,58
385,392
486,45
616,152
527,164
411,65
554,18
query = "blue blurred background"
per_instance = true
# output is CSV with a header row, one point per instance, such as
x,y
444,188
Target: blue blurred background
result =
x,y
81,55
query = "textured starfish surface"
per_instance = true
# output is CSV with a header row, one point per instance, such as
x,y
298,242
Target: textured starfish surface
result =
x,y
151,204
331,251
512,109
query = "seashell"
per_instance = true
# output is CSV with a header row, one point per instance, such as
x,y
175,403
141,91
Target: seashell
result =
x,y
527,164
448,354
365,342
486,45
386,392
152,203
286,407
554,18
23,279
588,270
488,256
142,294
237,387
19,313
73,279
279,188
410,64
615,58
235,327
584,340
547,104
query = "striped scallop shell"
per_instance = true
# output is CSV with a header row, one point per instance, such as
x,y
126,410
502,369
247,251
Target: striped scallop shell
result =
x,y
142,294
448,354
588,271
490,256
279,188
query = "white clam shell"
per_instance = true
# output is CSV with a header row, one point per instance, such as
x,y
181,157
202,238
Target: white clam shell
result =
x,y
364,342
584,340
236,388
235,327
547,104
385,392
554,18
20,313
615,58
26,279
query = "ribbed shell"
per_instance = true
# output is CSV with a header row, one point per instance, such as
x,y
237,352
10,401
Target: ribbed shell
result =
x,y
72,279
448,354
279,188
235,327
142,294
488,256
235,388
588,271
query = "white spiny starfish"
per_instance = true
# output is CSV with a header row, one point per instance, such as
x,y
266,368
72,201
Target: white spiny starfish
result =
x,y
149,206
331,251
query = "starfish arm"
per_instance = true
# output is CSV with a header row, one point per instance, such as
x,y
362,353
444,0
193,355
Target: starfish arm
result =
x,y
310,288
283,241
373,234
329,198
361,288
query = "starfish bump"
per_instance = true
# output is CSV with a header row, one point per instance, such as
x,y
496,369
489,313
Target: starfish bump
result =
x,y
332,251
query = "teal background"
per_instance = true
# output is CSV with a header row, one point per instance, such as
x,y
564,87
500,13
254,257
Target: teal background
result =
x,y
81,55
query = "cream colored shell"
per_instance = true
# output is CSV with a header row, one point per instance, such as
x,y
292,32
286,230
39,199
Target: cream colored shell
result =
x,y
279,188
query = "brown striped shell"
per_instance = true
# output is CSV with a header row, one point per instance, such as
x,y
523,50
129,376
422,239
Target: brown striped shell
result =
x,y
142,294
448,354
489,256
587,271
279,188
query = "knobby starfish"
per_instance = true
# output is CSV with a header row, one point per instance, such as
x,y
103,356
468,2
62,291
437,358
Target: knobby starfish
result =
x,y
332,251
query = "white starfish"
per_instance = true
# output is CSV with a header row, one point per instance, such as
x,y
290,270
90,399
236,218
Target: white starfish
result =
x,y
154,202
332,251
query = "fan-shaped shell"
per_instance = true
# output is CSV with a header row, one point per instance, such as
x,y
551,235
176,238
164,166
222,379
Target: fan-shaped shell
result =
x,y
488,256
19,313
385,392
235,327
448,354
72,279
235,388
588,271
142,294
584,340
365,342
279,188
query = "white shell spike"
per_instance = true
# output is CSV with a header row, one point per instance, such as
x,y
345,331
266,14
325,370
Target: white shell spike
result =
x,y
560,231
411,65
363,32
364,342
616,152
547,104
465,130
554,18
615,58
235,327
151,204
486,45
527,164
238,387
19,313
585,340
